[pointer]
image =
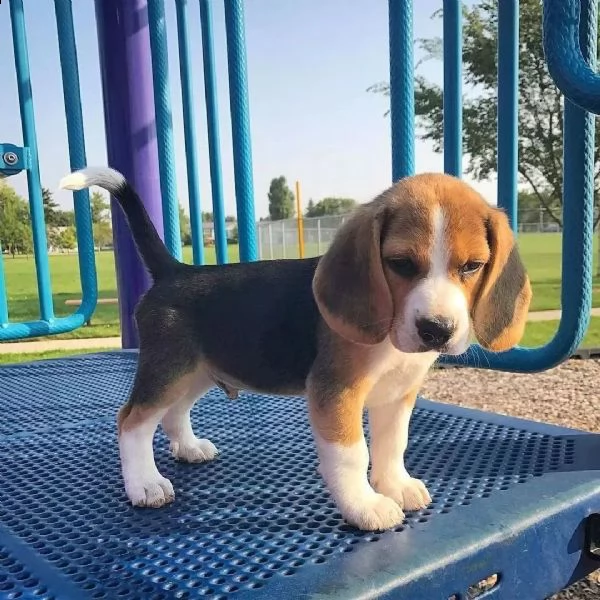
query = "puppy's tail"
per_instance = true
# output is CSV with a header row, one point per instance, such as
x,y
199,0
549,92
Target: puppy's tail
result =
x,y
150,247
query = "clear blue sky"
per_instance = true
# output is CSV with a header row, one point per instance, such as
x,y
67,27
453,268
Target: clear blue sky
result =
x,y
309,64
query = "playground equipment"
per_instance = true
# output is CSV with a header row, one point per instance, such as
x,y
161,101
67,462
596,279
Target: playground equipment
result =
x,y
515,502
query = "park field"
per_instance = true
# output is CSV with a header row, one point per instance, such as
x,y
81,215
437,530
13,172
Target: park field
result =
x,y
541,254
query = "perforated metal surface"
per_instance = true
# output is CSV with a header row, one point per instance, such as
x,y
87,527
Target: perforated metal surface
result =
x,y
255,522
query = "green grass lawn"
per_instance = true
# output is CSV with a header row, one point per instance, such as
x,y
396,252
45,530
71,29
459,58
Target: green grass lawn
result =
x,y
541,253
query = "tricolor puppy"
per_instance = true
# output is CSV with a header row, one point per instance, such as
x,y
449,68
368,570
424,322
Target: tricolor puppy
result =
x,y
412,274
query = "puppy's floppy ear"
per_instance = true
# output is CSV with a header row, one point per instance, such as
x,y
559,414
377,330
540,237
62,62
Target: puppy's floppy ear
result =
x,y
500,310
349,285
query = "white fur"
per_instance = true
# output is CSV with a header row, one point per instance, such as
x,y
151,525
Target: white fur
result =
x,y
105,177
144,485
344,469
389,438
177,425
435,295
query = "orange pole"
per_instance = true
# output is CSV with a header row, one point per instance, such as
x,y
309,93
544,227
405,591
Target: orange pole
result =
x,y
300,221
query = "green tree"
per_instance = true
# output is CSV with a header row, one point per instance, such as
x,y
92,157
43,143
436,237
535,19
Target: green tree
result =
x,y
540,103
207,217
281,200
99,207
15,222
185,227
330,206
102,234
67,239
51,210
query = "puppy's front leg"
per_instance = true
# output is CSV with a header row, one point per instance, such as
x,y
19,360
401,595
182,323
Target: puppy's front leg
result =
x,y
389,438
336,418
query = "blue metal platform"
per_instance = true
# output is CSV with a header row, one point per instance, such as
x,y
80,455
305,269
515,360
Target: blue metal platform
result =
x,y
510,498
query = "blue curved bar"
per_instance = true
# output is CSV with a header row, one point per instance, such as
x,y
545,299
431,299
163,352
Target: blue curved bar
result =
x,y
578,219
566,60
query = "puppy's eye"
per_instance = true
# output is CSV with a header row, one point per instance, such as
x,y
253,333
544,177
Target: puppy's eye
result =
x,y
405,267
470,268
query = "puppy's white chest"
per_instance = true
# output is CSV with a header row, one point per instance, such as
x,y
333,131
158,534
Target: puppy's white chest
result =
x,y
397,373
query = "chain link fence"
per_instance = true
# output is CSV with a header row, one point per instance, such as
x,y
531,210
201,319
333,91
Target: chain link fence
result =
x,y
279,239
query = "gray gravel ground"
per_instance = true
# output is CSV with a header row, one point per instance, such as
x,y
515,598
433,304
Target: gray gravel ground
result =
x,y
567,395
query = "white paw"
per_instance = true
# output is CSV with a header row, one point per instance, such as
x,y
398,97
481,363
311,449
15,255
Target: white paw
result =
x,y
196,450
408,492
153,492
375,512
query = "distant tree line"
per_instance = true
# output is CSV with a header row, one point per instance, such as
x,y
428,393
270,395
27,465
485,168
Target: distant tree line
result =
x,y
282,203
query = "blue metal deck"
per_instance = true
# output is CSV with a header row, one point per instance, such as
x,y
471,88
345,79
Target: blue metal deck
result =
x,y
510,497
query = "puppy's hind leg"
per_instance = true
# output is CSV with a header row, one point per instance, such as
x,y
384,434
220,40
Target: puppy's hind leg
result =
x,y
177,424
166,374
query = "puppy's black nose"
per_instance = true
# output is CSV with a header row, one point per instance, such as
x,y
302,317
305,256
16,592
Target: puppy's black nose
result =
x,y
435,331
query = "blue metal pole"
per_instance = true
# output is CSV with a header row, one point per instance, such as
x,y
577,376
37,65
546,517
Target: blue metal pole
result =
x,y
212,117
402,88
3,303
34,186
508,106
164,125
240,125
452,87
74,118
189,132
126,69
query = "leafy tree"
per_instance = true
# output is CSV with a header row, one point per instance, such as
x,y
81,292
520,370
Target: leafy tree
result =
x,y
67,239
230,219
540,103
99,207
185,227
330,206
281,200
64,218
102,234
207,217
15,222
51,210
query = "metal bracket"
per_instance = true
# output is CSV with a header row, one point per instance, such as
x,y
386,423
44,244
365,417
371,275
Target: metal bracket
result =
x,y
13,160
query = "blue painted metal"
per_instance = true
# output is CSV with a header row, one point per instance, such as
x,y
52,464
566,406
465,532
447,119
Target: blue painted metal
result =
x,y
3,299
240,128
164,125
212,118
567,62
189,131
34,186
508,108
74,117
452,41
578,217
13,160
402,88
28,160
261,524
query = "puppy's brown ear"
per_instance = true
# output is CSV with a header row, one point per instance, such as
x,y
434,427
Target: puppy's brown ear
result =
x,y
500,310
349,285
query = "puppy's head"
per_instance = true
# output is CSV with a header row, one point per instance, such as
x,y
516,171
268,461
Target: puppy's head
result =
x,y
427,263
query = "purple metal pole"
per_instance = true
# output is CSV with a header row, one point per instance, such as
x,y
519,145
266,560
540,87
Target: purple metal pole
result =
x,y
126,65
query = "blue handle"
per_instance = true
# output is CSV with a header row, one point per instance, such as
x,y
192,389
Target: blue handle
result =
x,y
571,72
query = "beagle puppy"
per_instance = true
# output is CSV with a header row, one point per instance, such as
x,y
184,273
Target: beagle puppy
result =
x,y
412,274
